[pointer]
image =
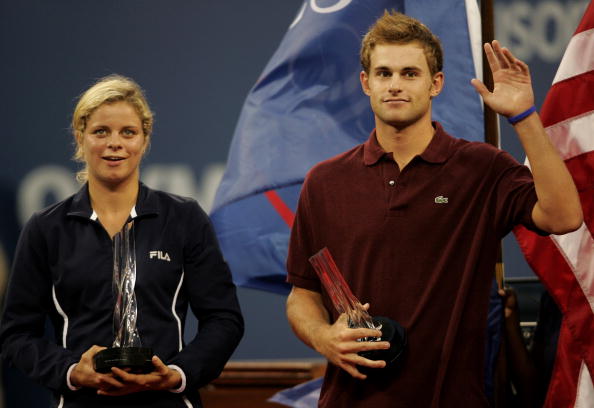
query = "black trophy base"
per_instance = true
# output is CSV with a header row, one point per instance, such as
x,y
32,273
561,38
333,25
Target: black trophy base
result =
x,y
137,360
393,333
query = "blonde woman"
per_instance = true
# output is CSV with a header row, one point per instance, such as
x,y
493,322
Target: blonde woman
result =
x,y
64,263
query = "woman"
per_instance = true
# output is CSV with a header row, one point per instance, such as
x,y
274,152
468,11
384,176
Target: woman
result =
x,y
64,265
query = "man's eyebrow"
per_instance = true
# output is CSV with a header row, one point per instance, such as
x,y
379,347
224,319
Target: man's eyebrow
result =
x,y
407,68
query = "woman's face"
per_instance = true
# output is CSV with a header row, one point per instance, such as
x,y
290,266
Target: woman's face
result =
x,y
113,144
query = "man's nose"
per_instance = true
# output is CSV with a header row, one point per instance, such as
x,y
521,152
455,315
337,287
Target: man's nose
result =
x,y
394,84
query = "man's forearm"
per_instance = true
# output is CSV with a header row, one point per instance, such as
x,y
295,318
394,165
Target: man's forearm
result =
x,y
306,314
558,209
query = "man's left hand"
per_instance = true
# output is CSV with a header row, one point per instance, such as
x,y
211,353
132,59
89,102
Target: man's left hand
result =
x,y
512,87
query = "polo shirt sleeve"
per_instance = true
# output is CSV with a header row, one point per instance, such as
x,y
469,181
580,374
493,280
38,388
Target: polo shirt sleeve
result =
x,y
28,303
516,195
213,299
302,245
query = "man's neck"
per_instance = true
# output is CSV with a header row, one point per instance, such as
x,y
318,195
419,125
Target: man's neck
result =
x,y
406,142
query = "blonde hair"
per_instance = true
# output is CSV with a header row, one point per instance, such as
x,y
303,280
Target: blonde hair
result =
x,y
397,28
109,89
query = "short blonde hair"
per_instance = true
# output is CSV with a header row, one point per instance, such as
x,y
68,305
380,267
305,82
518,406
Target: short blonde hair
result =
x,y
397,28
109,89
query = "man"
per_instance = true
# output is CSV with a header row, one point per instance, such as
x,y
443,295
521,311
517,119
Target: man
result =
x,y
413,218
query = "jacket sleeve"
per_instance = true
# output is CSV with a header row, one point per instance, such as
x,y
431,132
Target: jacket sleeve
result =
x,y
28,304
213,300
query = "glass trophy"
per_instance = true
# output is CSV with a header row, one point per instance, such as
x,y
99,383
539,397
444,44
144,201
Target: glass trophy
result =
x,y
345,302
126,351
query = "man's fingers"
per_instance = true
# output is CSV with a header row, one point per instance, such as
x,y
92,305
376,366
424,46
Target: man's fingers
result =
x,y
491,58
480,87
523,67
354,360
352,370
365,362
372,345
357,346
499,54
354,334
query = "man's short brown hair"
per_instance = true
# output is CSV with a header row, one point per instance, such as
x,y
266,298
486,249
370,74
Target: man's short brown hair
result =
x,y
397,28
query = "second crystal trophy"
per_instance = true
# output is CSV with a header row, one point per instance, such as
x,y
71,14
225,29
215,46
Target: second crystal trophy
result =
x,y
345,302
126,351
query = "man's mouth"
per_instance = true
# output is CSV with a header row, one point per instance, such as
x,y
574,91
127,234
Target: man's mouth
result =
x,y
396,100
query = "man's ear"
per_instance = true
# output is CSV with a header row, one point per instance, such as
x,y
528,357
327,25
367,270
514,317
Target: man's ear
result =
x,y
364,78
437,84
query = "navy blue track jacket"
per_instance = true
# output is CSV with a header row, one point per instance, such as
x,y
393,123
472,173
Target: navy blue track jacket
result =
x,y
63,270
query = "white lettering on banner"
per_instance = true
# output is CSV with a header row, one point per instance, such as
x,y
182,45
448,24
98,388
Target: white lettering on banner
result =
x,y
540,29
59,183
179,179
339,5
299,15
41,182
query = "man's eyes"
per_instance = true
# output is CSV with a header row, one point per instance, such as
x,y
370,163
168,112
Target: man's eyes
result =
x,y
406,74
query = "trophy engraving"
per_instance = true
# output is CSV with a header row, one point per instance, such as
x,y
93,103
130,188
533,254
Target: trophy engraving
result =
x,y
126,351
345,301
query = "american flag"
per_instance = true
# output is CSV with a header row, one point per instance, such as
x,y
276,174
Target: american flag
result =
x,y
565,263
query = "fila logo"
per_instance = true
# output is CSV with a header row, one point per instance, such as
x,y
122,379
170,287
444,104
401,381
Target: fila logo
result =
x,y
164,256
441,200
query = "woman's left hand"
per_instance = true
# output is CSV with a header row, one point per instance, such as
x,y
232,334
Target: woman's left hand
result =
x,y
161,378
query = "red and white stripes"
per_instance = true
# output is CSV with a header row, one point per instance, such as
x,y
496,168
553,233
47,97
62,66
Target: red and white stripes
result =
x,y
565,264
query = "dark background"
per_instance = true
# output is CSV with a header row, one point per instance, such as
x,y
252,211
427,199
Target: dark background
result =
x,y
197,61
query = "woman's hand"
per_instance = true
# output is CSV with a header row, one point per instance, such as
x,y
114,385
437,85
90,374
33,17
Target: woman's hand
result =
x,y
84,374
161,378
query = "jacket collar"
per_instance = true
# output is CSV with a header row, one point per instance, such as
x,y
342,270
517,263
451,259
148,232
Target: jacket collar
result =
x,y
146,203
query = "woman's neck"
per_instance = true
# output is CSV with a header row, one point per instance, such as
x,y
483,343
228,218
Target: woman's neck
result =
x,y
109,199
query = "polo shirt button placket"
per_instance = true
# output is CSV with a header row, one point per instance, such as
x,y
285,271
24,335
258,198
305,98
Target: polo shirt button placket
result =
x,y
391,182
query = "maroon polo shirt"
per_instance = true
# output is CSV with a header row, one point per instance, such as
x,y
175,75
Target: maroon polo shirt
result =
x,y
420,246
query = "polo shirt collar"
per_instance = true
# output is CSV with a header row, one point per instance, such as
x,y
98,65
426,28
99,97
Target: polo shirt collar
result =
x,y
438,151
147,203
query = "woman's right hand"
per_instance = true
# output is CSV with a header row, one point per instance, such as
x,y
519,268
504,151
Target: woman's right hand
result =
x,y
84,374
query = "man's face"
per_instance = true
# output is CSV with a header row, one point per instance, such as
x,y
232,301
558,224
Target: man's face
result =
x,y
400,85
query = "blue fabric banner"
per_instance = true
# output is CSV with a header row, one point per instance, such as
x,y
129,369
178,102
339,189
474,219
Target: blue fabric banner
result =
x,y
308,106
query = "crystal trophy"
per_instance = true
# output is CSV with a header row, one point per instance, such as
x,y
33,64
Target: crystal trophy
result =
x,y
345,302
126,351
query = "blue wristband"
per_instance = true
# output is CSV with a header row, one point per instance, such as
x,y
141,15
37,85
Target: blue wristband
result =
x,y
515,119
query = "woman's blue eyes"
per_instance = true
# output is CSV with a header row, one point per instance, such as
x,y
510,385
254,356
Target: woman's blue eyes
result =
x,y
104,132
